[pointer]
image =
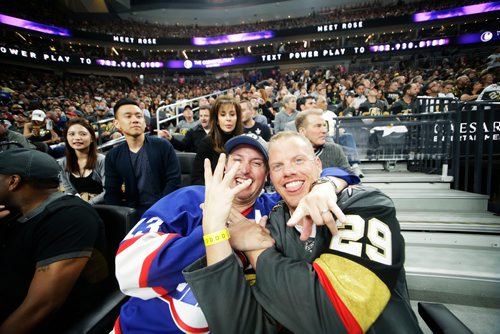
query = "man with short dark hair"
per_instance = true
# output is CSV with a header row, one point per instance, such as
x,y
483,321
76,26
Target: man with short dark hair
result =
x,y
406,104
304,103
188,122
372,106
249,123
193,137
146,166
51,248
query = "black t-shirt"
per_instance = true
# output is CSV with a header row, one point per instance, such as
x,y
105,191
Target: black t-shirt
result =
x,y
372,109
401,107
392,97
86,184
259,130
63,227
149,191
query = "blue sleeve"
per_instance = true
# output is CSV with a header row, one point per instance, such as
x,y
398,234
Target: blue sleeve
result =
x,y
341,174
169,237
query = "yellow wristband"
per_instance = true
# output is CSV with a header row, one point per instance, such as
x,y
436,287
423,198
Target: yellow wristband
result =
x,y
216,237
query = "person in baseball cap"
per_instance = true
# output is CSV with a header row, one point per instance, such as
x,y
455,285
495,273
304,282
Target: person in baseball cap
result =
x,y
30,164
249,139
38,115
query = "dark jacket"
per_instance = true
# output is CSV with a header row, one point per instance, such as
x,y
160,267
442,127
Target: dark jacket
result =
x,y
205,151
164,166
191,140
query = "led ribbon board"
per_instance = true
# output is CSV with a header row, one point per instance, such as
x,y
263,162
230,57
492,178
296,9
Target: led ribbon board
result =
x,y
234,38
25,24
458,11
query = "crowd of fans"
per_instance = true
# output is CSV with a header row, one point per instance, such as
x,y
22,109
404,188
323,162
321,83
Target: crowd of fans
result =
x,y
93,97
370,10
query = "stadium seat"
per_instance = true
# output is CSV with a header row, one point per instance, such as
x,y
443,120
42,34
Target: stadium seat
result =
x,y
186,160
118,221
440,319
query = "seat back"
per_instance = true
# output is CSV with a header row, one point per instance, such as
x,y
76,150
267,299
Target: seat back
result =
x,y
440,319
118,221
186,160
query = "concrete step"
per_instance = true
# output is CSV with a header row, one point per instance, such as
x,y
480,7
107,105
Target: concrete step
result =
x,y
398,177
455,268
437,200
446,221
409,185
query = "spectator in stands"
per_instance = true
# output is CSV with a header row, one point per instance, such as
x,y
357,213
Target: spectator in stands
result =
x,y
492,91
177,241
225,123
52,245
249,124
89,113
147,114
264,98
106,130
407,104
11,139
346,106
471,94
318,260
360,95
461,85
303,103
392,94
346,140
191,141
447,90
40,130
145,165
259,117
286,114
20,117
328,115
306,102
372,106
311,124
188,122
82,167
431,89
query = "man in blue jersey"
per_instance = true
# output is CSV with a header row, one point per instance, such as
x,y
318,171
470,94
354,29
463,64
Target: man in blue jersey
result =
x,y
169,237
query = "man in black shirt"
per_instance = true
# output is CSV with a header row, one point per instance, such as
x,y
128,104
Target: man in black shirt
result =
x,y
249,124
406,105
190,141
51,247
372,106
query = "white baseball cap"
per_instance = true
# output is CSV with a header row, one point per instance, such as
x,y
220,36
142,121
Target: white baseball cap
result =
x,y
38,115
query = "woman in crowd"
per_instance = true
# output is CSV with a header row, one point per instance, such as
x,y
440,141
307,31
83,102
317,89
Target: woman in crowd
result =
x,y
82,167
225,123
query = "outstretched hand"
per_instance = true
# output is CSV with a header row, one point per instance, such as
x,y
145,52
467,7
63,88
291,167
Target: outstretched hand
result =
x,y
318,207
219,195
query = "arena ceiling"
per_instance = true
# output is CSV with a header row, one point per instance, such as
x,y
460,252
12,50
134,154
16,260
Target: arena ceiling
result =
x,y
219,12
